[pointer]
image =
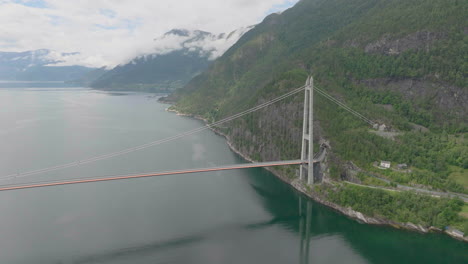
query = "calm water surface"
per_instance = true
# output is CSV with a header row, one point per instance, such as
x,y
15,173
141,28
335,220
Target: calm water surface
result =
x,y
242,216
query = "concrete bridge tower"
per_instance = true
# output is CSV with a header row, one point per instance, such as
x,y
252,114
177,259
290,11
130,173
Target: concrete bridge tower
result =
x,y
307,153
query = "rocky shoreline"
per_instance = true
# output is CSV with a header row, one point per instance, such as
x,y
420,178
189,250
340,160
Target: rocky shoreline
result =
x,y
299,186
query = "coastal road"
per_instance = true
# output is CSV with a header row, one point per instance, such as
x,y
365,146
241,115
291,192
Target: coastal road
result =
x,y
401,188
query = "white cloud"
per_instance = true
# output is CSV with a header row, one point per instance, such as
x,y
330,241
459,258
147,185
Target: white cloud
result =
x,y
109,32
205,43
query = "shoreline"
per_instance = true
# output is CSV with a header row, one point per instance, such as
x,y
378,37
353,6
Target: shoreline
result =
x,y
300,187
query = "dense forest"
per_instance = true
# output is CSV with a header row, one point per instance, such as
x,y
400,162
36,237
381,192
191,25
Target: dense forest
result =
x,y
153,73
401,207
401,63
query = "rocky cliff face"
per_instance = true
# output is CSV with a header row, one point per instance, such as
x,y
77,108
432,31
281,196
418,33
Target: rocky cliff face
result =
x,y
270,134
448,99
388,45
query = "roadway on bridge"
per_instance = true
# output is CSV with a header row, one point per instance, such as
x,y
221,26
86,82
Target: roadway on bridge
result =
x,y
155,174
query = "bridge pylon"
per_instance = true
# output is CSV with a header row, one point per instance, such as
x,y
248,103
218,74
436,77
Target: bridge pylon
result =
x,y
307,153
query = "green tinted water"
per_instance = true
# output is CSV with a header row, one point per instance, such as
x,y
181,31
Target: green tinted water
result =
x,y
242,216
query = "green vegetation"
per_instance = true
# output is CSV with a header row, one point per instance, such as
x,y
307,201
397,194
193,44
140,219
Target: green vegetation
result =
x,y
407,54
430,154
162,73
464,212
440,59
401,207
367,180
463,222
458,175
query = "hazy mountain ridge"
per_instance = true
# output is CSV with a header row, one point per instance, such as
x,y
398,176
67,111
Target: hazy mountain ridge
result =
x,y
38,65
177,57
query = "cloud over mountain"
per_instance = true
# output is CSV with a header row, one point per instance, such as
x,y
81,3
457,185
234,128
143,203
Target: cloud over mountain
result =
x,y
175,58
108,33
205,43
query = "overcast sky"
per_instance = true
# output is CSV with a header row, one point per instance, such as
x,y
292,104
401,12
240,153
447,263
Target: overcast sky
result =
x,y
109,32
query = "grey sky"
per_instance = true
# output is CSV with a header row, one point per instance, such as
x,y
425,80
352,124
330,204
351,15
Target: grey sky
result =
x,y
109,32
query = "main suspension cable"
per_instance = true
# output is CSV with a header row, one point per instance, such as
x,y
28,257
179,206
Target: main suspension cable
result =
x,y
153,143
342,105
187,133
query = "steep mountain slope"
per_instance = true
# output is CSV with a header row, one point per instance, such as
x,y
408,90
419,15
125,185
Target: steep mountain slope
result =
x,y
402,63
178,56
153,73
38,65
88,78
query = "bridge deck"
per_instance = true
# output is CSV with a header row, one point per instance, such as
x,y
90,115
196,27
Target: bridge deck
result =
x,y
164,173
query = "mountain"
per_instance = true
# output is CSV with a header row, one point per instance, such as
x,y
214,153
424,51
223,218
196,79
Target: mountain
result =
x,y
401,63
177,57
38,65
89,77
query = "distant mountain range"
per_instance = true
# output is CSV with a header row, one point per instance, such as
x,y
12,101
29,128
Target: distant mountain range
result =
x,y
178,56
38,65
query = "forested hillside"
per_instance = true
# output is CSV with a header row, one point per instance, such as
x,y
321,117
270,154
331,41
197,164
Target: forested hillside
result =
x,y
175,59
402,63
160,73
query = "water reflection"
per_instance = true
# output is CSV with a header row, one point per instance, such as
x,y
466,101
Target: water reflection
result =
x,y
109,257
324,234
245,216
304,229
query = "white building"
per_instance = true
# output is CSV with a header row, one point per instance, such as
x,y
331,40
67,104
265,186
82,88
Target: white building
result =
x,y
385,164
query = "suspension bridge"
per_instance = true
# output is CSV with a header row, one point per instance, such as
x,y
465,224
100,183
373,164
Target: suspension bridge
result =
x,y
306,161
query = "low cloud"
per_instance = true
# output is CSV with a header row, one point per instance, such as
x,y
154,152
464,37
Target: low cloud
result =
x,y
205,43
109,32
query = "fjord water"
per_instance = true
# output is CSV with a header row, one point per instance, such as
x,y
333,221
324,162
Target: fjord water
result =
x,y
241,216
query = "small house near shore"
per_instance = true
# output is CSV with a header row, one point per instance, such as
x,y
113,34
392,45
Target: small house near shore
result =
x,y
385,164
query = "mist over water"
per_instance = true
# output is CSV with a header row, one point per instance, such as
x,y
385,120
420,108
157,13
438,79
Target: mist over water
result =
x,y
241,216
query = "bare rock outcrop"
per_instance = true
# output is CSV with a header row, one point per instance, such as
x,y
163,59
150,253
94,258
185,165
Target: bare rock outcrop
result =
x,y
418,40
449,99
